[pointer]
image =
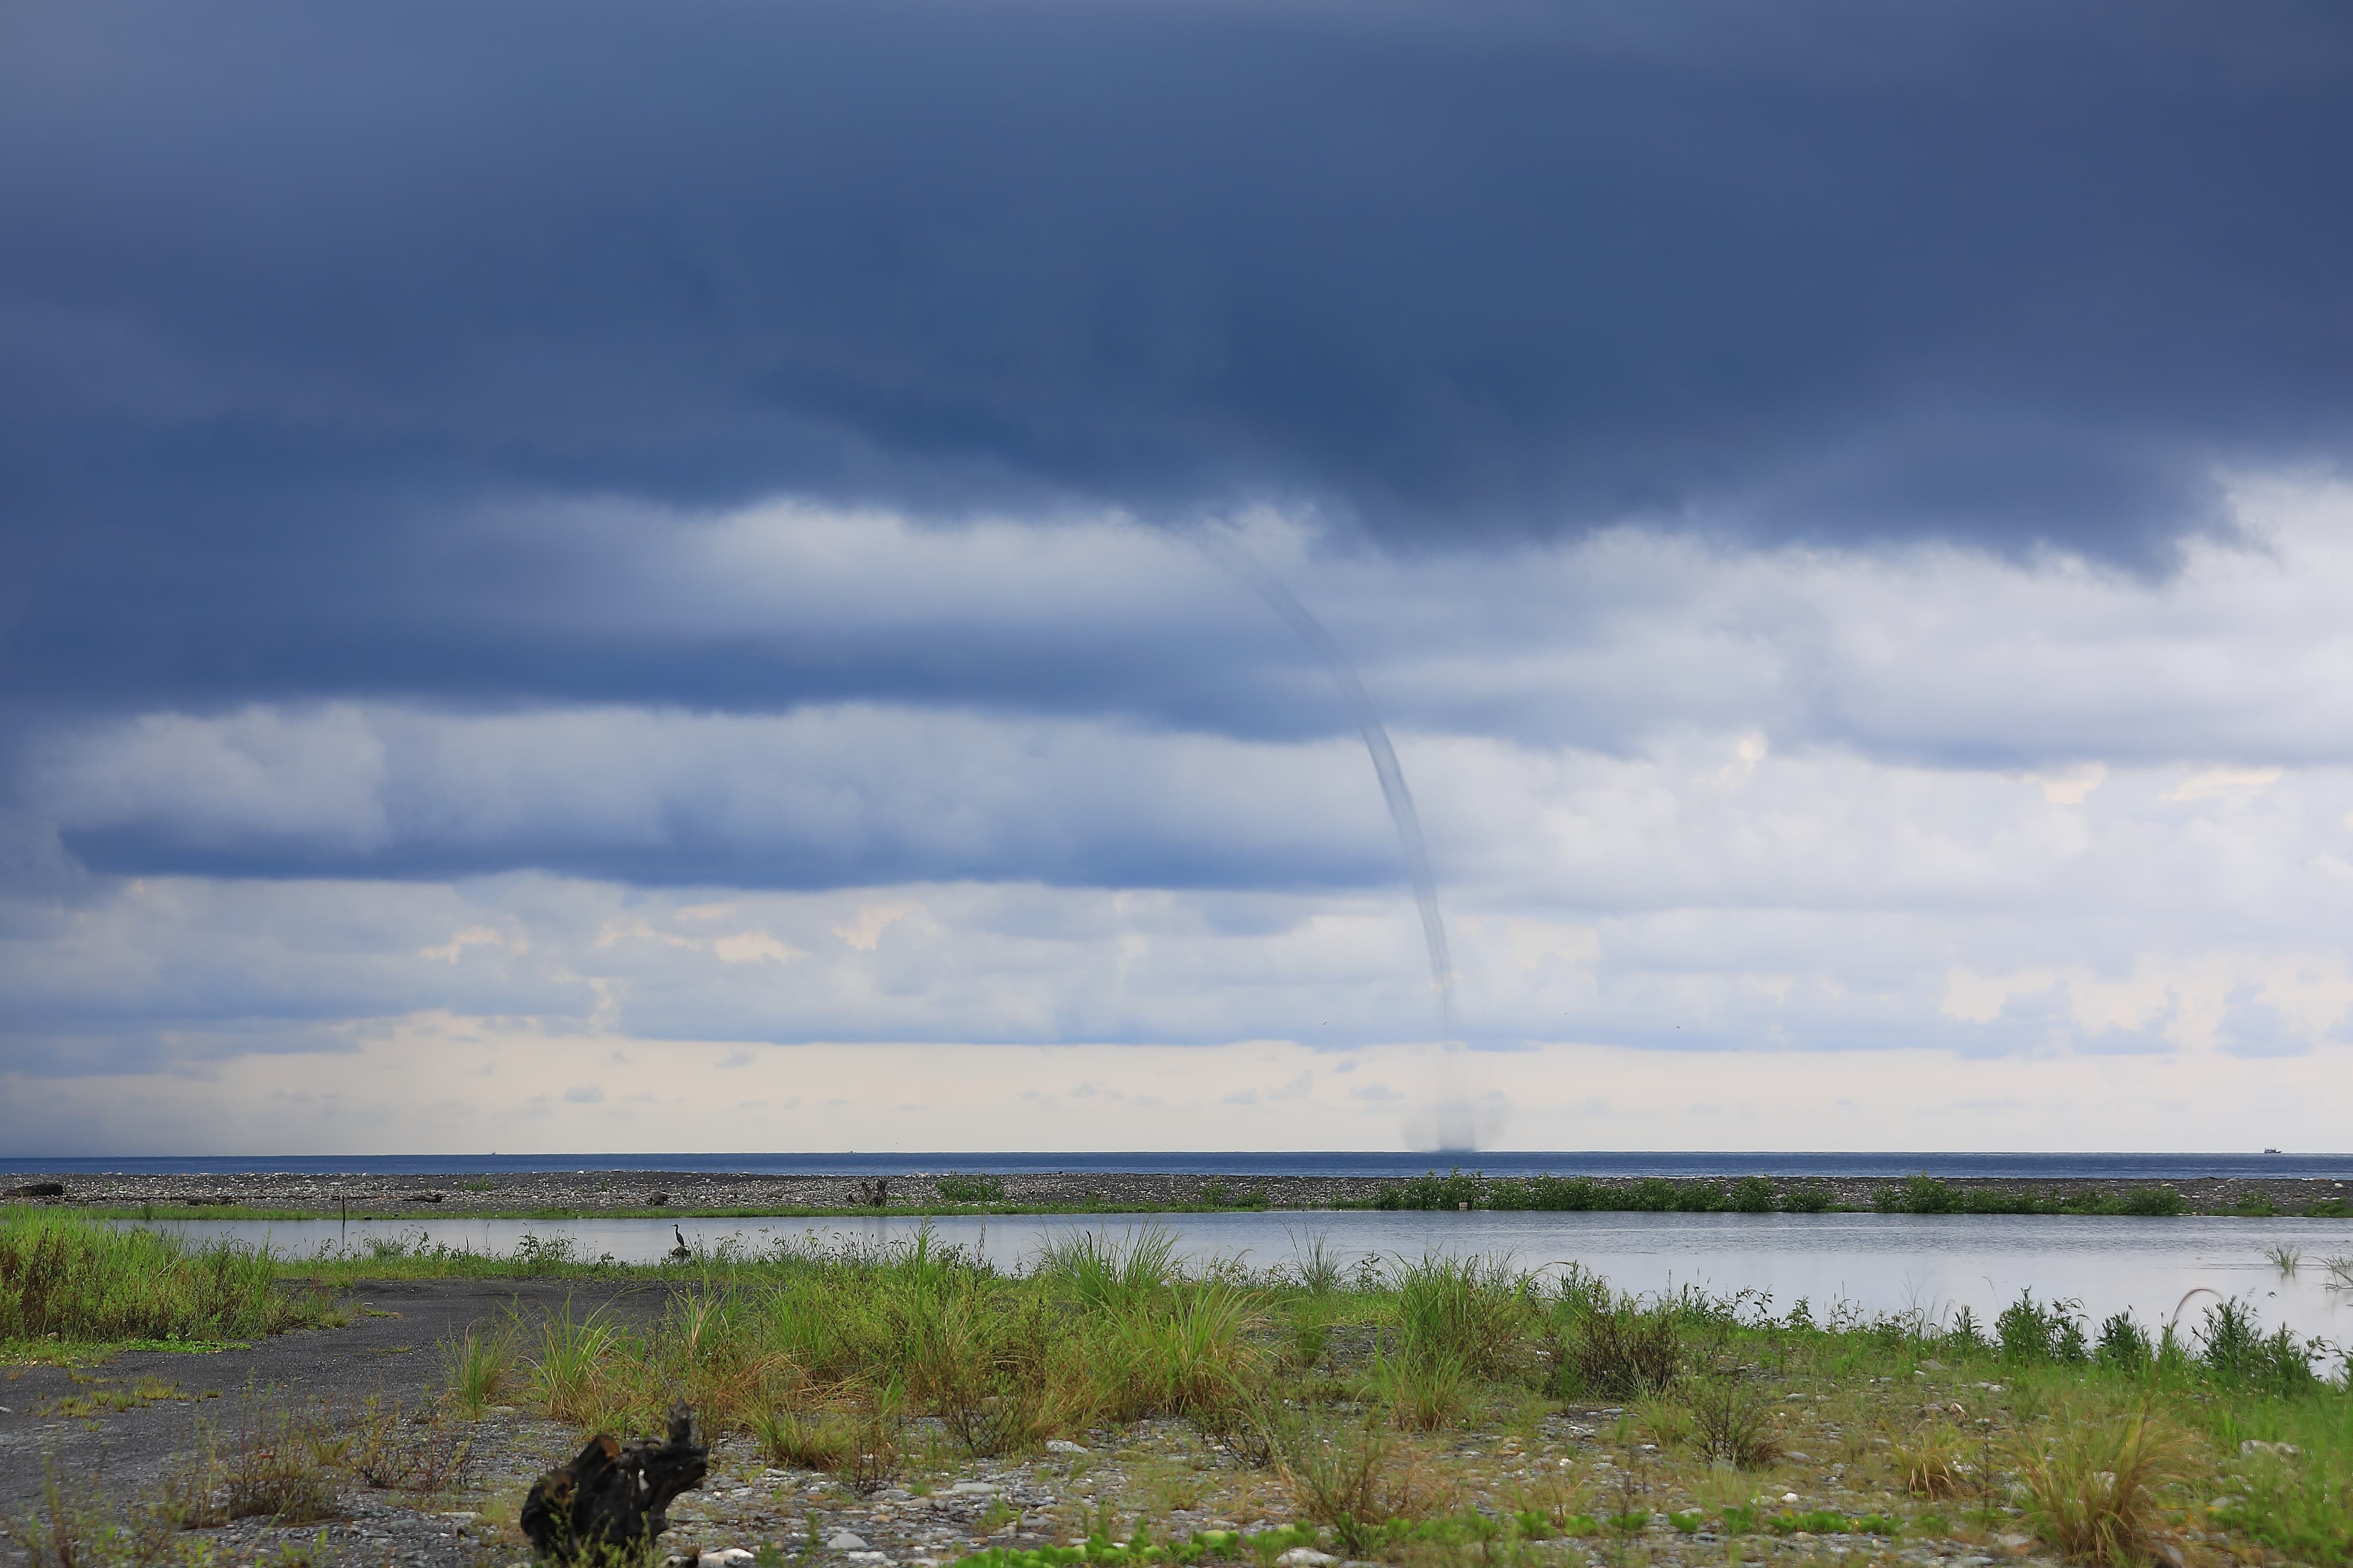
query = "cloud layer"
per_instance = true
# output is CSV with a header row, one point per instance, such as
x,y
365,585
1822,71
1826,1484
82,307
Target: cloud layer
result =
x,y
605,529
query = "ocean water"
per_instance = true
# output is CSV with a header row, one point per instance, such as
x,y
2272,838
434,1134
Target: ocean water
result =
x,y
1870,1263
1495,1163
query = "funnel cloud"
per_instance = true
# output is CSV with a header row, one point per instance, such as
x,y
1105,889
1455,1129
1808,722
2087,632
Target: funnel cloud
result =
x,y
1450,1120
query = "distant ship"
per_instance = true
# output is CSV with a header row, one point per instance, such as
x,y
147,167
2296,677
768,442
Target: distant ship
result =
x,y
2270,1151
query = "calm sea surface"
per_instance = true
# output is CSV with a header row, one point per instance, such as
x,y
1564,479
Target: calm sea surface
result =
x,y
1495,1163
1874,1263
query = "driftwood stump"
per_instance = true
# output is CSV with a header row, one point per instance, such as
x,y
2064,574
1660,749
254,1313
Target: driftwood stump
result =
x,y
612,1498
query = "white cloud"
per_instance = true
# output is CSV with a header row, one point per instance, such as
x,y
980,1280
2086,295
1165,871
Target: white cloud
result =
x,y
1911,813
2223,784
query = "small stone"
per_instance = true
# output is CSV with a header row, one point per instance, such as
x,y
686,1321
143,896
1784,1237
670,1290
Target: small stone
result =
x,y
843,1541
731,1557
2222,1502
975,1489
1306,1557
1064,1446
872,1558
1788,1497
1801,1458
1932,1366
2013,1544
2257,1445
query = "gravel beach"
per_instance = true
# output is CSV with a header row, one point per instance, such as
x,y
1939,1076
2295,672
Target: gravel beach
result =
x,y
594,1192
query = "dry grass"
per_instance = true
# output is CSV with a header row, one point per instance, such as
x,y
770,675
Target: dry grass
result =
x,y
806,1441
391,1447
2094,1485
1731,1422
1354,1475
1930,1458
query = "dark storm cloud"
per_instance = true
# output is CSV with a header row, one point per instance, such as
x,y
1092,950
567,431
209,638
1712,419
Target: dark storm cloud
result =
x,y
284,290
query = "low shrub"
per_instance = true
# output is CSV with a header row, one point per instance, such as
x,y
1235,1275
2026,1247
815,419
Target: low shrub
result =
x,y
1651,1195
1810,1197
1731,1422
955,1188
2029,1330
2124,1346
1699,1198
2240,1354
1623,1351
1432,1190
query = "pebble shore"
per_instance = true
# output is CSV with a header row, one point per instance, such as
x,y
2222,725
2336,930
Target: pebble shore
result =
x,y
594,1192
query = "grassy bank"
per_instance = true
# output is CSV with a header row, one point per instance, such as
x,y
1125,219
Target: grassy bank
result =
x,y
68,1284
1438,1406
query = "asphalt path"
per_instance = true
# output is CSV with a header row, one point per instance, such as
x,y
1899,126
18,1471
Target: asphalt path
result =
x,y
392,1348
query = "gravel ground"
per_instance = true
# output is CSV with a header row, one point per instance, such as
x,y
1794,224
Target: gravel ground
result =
x,y
461,1192
1163,1470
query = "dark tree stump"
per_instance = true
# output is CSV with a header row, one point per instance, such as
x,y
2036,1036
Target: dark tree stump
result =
x,y
612,1498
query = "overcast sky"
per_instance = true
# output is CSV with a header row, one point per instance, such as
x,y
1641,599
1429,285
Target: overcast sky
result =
x,y
604,576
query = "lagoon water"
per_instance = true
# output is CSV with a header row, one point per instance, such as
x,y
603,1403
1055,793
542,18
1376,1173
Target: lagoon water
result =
x,y
1874,1263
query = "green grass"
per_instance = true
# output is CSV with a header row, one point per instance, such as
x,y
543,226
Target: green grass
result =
x,y
68,1285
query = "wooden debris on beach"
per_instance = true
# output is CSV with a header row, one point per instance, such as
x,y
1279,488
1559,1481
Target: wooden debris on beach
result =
x,y
36,1190
614,1499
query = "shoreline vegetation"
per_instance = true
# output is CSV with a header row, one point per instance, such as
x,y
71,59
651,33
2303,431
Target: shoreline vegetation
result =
x,y
637,1194
1422,1413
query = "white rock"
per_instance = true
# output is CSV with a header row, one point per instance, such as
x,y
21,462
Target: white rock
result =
x,y
1788,1497
843,1541
1064,1446
870,1559
731,1557
1306,1557
2257,1445
975,1489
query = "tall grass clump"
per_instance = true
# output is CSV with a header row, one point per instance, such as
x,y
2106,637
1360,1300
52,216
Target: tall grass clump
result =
x,y
1102,1271
72,1279
2095,1486
1473,1309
